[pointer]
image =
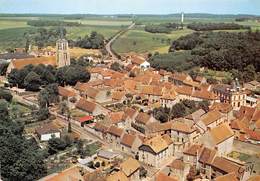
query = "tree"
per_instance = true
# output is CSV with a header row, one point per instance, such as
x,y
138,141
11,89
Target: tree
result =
x,y
3,68
21,159
55,145
115,66
178,110
42,114
48,95
69,127
4,114
32,81
76,74
4,94
249,73
204,105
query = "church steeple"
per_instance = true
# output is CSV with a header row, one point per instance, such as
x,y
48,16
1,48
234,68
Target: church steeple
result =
x,y
62,52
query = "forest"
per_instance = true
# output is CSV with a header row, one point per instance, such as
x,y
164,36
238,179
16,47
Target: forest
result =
x,y
162,28
215,26
44,23
43,37
33,77
237,53
94,41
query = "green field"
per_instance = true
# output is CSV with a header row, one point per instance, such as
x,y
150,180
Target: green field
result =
x,y
140,41
12,29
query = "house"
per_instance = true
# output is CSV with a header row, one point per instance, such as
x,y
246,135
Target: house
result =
x,y
205,160
224,108
91,108
200,79
163,177
7,57
100,129
180,78
195,117
177,169
210,120
222,166
227,177
20,63
192,153
231,94
70,96
129,116
156,150
107,156
118,96
114,135
169,98
253,85
130,143
117,118
131,168
48,131
145,65
152,93
118,176
72,173
182,135
99,95
142,119
220,138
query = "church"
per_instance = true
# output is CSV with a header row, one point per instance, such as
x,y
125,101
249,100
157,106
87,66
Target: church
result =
x,y
61,59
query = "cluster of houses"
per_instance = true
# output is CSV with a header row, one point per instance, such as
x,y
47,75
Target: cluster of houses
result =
x,y
200,141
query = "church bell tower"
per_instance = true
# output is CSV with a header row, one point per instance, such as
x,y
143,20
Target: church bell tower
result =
x,y
62,53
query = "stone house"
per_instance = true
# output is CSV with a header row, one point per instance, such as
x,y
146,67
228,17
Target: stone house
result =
x,y
156,150
91,108
114,135
192,153
130,143
220,138
69,96
131,168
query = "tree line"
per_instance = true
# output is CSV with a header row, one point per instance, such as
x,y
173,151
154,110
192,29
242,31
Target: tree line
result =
x,y
162,28
43,37
181,109
20,158
238,53
215,26
44,23
94,41
32,78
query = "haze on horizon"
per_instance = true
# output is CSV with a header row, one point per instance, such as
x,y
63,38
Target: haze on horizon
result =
x,y
130,6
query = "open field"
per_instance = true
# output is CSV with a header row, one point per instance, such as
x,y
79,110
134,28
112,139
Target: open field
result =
x,y
13,28
140,41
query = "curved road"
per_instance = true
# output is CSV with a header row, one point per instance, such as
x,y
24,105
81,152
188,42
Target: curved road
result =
x,y
109,44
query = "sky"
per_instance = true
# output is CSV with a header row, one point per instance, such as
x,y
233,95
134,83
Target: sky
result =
x,y
130,6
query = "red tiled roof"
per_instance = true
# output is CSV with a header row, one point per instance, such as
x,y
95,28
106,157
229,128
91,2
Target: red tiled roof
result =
x,y
85,119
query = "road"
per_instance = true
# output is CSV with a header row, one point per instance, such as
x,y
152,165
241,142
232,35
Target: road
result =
x,y
109,44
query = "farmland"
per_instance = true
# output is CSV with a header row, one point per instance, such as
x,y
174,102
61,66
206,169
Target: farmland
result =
x,y
12,29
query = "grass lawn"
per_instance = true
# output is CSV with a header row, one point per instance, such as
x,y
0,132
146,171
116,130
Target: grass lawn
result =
x,y
140,41
107,31
12,38
6,24
93,148
219,75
